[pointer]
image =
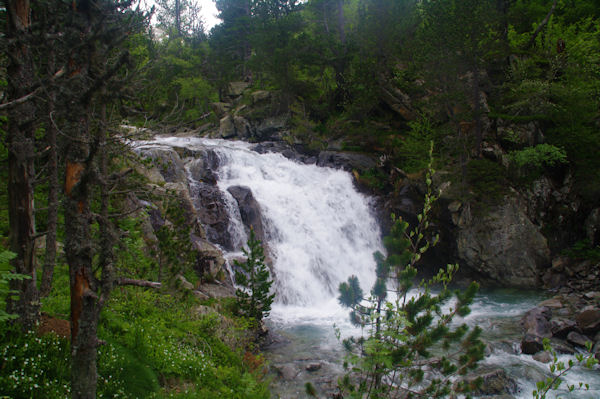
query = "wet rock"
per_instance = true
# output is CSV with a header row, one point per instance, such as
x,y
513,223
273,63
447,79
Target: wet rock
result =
x,y
203,168
287,372
243,129
562,347
495,382
313,367
346,161
212,213
531,344
543,357
249,209
553,303
589,321
577,339
561,327
536,322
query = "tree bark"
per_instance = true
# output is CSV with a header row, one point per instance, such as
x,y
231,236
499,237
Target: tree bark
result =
x,y
78,250
53,187
21,154
541,25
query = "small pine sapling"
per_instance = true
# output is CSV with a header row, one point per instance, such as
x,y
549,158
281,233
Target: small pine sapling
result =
x,y
253,276
411,348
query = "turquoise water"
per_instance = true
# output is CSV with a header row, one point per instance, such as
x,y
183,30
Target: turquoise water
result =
x,y
497,312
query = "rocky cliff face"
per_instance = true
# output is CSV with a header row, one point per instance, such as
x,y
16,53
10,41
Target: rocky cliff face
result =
x,y
502,243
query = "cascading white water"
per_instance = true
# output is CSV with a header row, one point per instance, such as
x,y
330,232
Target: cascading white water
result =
x,y
319,229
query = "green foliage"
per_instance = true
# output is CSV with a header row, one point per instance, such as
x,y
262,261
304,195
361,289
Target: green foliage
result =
x,y
253,276
412,148
175,255
583,250
6,275
559,369
32,366
409,334
539,156
560,87
487,179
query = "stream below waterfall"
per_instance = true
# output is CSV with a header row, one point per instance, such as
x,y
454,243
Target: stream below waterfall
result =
x,y
319,230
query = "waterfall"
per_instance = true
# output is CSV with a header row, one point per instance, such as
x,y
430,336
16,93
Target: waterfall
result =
x,y
318,228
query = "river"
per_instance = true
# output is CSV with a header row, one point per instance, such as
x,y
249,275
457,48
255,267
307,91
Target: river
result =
x,y
319,230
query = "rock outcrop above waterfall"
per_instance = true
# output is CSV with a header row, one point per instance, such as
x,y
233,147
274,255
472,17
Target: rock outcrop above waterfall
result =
x,y
193,190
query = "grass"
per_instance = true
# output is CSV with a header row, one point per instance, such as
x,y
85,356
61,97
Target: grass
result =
x,y
158,345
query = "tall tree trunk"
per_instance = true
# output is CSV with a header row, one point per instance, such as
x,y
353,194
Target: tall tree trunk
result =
x,y
53,187
21,153
78,250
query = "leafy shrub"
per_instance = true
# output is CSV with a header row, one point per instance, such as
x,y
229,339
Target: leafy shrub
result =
x,y
539,156
6,275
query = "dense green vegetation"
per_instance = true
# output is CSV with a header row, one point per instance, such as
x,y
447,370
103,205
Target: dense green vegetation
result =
x,y
508,90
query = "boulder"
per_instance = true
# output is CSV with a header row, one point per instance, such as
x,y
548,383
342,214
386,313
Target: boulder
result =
x,y
167,161
220,109
209,260
226,127
577,339
503,244
260,95
204,167
212,213
589,321
495,382
183,283
561,327
271,128
287,372
543,357
236,89
243,129
249,210
313,367
346,160
536,322
531,344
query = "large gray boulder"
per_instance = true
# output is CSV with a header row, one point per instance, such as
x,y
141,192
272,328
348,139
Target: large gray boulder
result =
x,y
249,210
212,213
502,244
346,160
167,161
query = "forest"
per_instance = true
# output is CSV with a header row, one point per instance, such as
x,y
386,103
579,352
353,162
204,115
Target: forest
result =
x,y
481,114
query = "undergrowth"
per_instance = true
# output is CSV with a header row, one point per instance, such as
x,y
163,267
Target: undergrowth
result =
x,y
158,344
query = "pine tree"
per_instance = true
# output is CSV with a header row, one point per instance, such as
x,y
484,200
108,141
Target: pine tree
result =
x,y
254,299
409,334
